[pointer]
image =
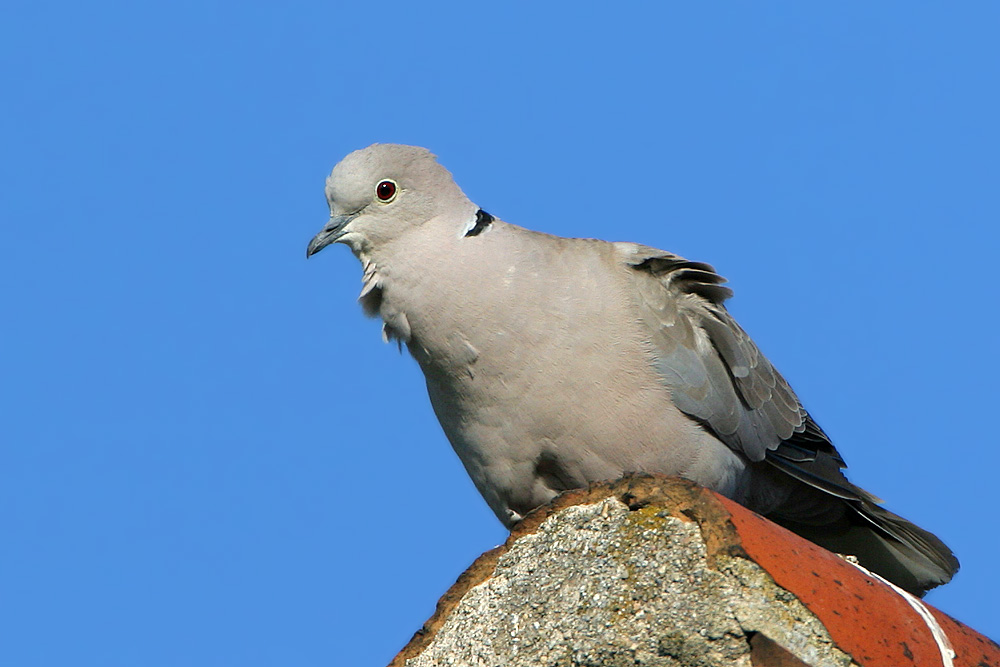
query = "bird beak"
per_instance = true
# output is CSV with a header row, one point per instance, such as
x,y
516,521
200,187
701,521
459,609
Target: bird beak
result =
x,y
332,230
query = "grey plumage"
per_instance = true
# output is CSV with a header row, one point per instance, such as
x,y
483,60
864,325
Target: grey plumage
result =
x,y
552,362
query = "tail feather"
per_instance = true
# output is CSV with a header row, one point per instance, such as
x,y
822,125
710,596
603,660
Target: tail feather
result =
x,y
886,544
825,508
921,553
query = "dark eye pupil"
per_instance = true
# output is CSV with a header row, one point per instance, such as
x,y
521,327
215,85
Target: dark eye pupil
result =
x,y
385,190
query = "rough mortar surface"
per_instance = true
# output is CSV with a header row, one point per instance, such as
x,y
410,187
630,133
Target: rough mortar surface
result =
x,y
600,585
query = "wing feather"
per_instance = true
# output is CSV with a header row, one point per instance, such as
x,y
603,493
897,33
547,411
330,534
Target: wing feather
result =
x,y
715,371
719,377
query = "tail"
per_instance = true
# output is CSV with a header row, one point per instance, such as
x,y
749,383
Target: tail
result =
x,y
905,554
839,516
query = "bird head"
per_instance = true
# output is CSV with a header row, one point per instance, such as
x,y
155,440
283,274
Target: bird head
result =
x,y
379,193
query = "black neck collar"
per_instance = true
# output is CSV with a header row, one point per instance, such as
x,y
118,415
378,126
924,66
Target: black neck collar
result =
x,y
483,220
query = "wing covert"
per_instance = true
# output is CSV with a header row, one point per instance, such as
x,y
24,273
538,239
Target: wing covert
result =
x,y
716,373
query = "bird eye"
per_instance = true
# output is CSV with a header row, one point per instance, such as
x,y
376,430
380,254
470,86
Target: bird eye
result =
x,y
385,190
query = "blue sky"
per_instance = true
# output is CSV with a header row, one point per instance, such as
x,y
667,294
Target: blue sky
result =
x,y
208,455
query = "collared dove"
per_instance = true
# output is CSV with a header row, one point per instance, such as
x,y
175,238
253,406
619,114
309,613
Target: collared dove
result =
x,y
554,362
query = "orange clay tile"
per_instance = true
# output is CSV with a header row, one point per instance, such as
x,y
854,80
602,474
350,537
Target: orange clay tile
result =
x,y
865,617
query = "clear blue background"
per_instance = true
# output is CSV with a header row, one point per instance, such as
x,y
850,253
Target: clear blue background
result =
x,y
208,455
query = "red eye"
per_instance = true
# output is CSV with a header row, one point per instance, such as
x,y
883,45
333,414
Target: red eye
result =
x,y
385,190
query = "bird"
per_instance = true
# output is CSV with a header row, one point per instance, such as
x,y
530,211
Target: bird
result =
x,y
554,362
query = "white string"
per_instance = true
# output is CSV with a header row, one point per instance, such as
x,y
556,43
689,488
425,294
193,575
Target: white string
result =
x,y
944,645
